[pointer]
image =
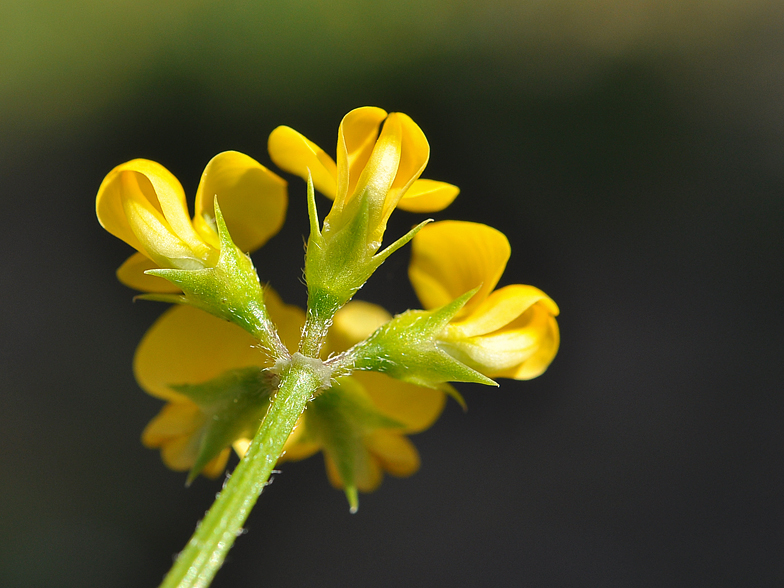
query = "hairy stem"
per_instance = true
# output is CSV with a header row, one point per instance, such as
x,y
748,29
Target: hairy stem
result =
x,y
197,564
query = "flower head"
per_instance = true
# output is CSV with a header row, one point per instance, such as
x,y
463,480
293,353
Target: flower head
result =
x,y
506,333
143,204
377,170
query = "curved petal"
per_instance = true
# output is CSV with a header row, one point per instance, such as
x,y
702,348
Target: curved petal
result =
x,y
217,465
414,406
428,196
152,184
108,203
395,453
357,136
509,347
501,308
131,273
539,362
109,207
449,258
156,238
180,453
414,154
189,346
174,420
353,323
252,199
380,171
294,153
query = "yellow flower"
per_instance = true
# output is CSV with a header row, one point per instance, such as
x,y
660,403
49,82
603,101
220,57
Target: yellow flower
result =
x,y
388,163
143,204
506,333
375,172
188,347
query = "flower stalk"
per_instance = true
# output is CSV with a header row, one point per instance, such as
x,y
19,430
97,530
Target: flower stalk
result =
x,y
198,563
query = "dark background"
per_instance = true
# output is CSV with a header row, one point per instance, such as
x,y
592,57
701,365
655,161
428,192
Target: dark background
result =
x,y
632,152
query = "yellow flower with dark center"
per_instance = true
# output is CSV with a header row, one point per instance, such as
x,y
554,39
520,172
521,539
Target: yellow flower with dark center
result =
x,y
143,204
506,333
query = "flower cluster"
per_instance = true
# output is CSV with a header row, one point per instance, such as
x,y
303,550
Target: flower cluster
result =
x,y
384,377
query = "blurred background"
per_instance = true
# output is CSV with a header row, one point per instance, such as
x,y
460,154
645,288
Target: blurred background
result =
x,y
632,151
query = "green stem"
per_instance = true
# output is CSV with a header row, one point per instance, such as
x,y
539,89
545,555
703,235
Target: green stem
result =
x,y
322,306
203,555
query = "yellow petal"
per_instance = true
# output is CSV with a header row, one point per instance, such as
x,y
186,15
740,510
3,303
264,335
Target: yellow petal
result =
x,y
353,323
414,154
156,238
379,173
241,446
449,258
174,420
299,451
414,406
501,308
217,465
294,153
252,199
153,185
298,446
356,138
189,346
131,273
108,203
428,196
395,453
537,364
506,349
180,453
109,207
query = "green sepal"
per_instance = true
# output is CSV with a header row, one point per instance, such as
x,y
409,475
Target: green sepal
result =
x,y
230,290
160,297
338,419
338,262
234,404
407,348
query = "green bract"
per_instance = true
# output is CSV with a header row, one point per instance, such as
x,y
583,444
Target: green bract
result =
x,y
407,348
338,262
229,290
233,405
338,420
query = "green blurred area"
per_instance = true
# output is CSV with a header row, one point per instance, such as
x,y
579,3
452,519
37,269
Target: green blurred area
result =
x,y
72,62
